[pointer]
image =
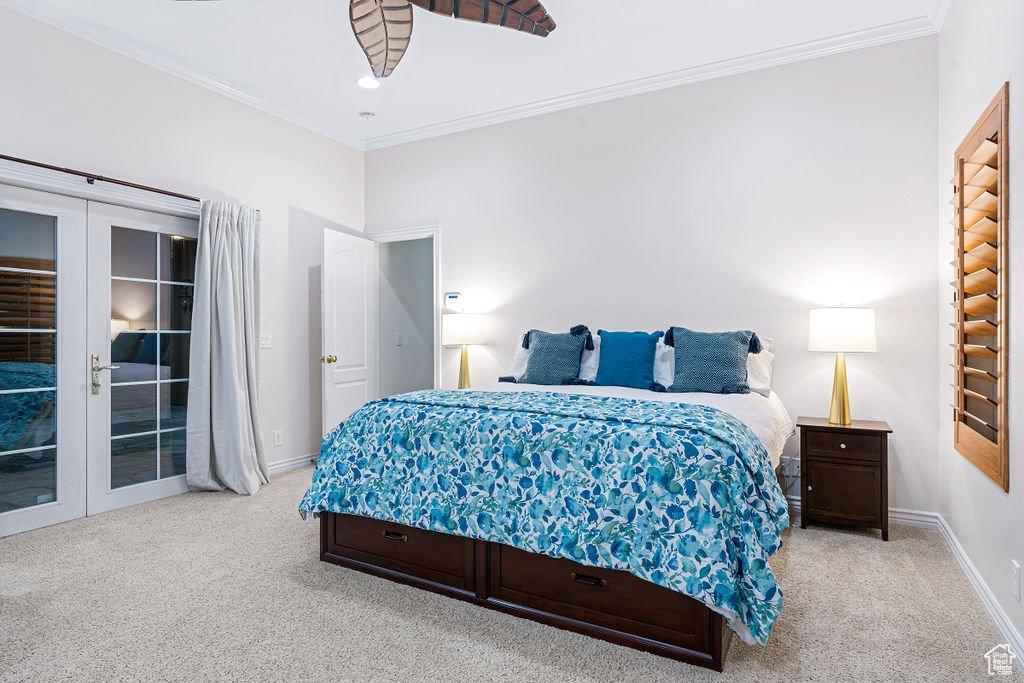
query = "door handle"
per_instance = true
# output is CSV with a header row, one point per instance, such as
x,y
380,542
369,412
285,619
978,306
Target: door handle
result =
x,y
97,369
329,359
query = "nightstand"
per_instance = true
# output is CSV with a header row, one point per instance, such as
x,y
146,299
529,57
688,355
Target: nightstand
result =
x,y
844,473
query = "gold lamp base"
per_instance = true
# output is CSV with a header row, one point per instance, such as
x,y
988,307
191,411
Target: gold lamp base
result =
x,y
464,369
839,412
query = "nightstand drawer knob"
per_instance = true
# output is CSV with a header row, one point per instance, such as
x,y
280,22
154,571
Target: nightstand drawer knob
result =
x,y
809,488
843,446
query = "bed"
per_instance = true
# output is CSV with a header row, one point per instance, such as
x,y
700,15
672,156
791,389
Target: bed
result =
x,y
646,519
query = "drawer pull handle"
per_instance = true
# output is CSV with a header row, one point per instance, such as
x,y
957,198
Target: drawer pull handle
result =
x,y
843,446
589,580
809,488
395,536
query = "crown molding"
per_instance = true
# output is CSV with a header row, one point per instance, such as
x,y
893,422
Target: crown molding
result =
x,y
916,27
124,45
880,35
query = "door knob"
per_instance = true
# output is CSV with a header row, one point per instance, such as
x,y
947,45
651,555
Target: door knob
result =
x,y
329,359
97,369
809,488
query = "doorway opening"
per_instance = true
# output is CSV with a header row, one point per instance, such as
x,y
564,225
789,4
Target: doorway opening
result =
x,y
407,310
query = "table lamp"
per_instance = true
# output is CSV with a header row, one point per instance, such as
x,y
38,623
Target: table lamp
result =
x,y
462,329
842,331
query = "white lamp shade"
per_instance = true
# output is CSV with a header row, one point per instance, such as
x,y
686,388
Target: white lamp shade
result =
x,y
462,328
117,327
847,330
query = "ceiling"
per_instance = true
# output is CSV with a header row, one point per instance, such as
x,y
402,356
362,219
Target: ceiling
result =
x,y
298,59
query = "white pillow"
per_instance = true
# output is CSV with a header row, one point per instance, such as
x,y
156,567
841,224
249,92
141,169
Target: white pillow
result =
x,y
759,370
589,361
664,364
517,368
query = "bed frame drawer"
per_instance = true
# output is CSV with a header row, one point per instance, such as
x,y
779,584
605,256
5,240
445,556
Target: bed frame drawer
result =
x,y
438,558
615,599
853,446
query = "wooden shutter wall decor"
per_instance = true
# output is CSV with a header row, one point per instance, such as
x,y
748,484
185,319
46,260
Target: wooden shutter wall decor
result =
x,y
981,203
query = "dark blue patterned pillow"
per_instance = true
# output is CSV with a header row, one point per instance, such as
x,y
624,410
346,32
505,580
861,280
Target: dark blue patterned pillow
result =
x,y
711,362
555,358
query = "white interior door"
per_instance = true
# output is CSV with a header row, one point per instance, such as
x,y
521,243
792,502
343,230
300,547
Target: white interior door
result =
x,y
42,351
349,313
141,275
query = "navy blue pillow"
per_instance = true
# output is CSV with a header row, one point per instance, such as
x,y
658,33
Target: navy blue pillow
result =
x,y
711,362
147,352
555,358
124,346
627,359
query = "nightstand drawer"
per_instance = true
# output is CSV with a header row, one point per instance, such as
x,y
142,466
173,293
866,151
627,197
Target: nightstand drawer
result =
x,y
854,446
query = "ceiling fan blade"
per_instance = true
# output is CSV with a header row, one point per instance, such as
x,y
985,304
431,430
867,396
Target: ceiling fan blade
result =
x,y
522,15
383,29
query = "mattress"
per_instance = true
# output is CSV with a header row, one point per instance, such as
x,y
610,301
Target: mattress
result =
x,y
765,416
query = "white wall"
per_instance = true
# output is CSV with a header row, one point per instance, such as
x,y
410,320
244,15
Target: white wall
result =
x,y
406,307
736,203
71,103
980,48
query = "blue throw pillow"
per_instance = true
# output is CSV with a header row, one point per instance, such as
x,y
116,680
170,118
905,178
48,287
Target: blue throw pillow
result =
x,y
124,347
147,352
555,358
711,362
627,359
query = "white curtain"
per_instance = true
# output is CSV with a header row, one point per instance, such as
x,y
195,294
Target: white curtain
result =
x,y
224,446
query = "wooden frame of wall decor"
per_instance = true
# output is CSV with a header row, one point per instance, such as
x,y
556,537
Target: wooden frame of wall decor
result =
x,y
981,211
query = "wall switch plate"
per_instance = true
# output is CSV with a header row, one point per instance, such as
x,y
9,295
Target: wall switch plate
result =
x,y
266,341
278,438
399,339
1015,579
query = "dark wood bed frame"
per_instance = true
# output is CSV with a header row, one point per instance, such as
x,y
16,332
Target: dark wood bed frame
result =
x,y
612,605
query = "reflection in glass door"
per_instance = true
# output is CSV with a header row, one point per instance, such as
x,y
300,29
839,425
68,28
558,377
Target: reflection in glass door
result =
x,y
142,272
42,306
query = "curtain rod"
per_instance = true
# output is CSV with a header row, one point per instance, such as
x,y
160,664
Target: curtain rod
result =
x,y
91,178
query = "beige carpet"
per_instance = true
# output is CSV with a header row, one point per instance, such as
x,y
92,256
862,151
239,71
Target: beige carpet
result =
x,y
220,587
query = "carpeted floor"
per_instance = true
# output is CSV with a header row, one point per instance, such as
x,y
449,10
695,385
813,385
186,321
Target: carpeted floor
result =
x,y
219,587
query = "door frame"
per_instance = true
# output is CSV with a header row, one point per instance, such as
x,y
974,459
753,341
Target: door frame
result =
x,y
407,235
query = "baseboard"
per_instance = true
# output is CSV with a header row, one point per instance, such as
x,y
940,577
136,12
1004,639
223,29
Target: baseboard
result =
x,y
290,464
933,520
1006,628
916,518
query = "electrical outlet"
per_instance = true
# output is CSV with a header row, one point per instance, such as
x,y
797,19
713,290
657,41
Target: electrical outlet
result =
x,y
399,339
1015,580
266,341
278,437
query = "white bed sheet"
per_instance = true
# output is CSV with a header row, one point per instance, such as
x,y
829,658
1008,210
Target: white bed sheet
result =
x,y
765,415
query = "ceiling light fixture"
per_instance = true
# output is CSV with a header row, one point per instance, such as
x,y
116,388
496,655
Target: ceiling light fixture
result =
x,y
368,83
384,27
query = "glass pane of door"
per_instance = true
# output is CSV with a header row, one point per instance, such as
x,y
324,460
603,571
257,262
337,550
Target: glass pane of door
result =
x,y
151,293
28,367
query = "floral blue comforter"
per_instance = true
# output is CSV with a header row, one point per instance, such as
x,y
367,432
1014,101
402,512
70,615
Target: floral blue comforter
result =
x,y
678,494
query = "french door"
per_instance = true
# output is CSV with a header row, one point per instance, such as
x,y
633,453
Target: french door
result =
x,y
141,274
95,312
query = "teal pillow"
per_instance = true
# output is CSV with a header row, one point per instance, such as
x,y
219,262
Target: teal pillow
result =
x,y
627,359
555,358
124,347
711,362
147,352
